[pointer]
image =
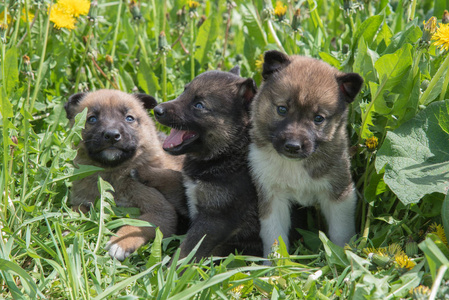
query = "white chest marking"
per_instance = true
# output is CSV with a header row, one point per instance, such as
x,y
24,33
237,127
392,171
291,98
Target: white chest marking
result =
x,y
192,200
287,179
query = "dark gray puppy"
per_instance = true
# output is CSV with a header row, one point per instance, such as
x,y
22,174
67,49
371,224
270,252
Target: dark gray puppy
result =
x,y
210,124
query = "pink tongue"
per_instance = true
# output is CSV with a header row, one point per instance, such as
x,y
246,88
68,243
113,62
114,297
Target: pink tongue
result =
x,y
174,139
177,137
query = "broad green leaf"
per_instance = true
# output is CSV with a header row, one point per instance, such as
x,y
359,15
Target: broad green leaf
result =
x,y
146,78
415,156
253,24
330,60
376,186
392,67
409,35
443,118
367,29
156,250
364,62
206,37
11,69
445,214
335,254
439,243
434,256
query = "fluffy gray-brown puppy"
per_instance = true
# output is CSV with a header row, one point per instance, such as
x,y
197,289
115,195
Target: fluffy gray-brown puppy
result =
x,y
299,150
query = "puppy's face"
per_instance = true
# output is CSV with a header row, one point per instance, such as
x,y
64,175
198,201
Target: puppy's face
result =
x,y
302,104
113,124
209,115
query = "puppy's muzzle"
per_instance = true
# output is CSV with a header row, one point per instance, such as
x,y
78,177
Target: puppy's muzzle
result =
x,y
112,136
160,112
293,147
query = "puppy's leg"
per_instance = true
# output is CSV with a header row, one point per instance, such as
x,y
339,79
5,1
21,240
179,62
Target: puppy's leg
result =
x,y
168,182
156,210
216,228
274,213
340,217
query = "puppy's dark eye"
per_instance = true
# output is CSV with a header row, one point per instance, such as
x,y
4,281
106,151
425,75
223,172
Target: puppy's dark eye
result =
x,y
282,110
129,119
198,105
92,119
318,119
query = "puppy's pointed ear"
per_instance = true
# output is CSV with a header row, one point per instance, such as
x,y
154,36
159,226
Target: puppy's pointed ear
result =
x,y
148,101
247,91
72,103
235,70
350,85
273,62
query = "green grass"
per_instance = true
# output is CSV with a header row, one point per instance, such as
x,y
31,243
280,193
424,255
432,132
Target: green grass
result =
x,y
48,251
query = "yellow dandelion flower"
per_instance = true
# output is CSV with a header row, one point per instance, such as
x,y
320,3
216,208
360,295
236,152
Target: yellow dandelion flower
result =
x,y
2,19
379,251
371,143
439,231
60,17
75,7
420,292
280,10
23,15
441,37
193,4
259,63
404,261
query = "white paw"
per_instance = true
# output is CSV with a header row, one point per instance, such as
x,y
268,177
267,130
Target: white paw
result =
x,y
117,252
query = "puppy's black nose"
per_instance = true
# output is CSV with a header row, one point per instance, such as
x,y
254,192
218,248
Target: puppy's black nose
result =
x,y
159,111
112,135
292,146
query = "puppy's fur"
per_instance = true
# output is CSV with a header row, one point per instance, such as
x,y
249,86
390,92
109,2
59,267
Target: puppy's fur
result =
x,y
299,150
210,124
119,136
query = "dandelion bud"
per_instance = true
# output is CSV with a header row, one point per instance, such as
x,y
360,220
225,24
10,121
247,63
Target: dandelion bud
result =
x,y
109,60
135,10
411,248
26,59
181,15
163,44
296,20
380,260
445,18
371,143
201,21
429,29
267,11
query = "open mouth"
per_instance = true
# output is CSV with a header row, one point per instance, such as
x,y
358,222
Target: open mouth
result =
x,y
178,139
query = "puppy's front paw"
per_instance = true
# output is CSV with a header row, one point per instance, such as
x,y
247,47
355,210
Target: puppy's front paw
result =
x,y
117,252
128,239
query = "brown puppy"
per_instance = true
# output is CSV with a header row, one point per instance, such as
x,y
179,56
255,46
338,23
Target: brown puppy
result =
x,y
210,125
119,136
299,150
